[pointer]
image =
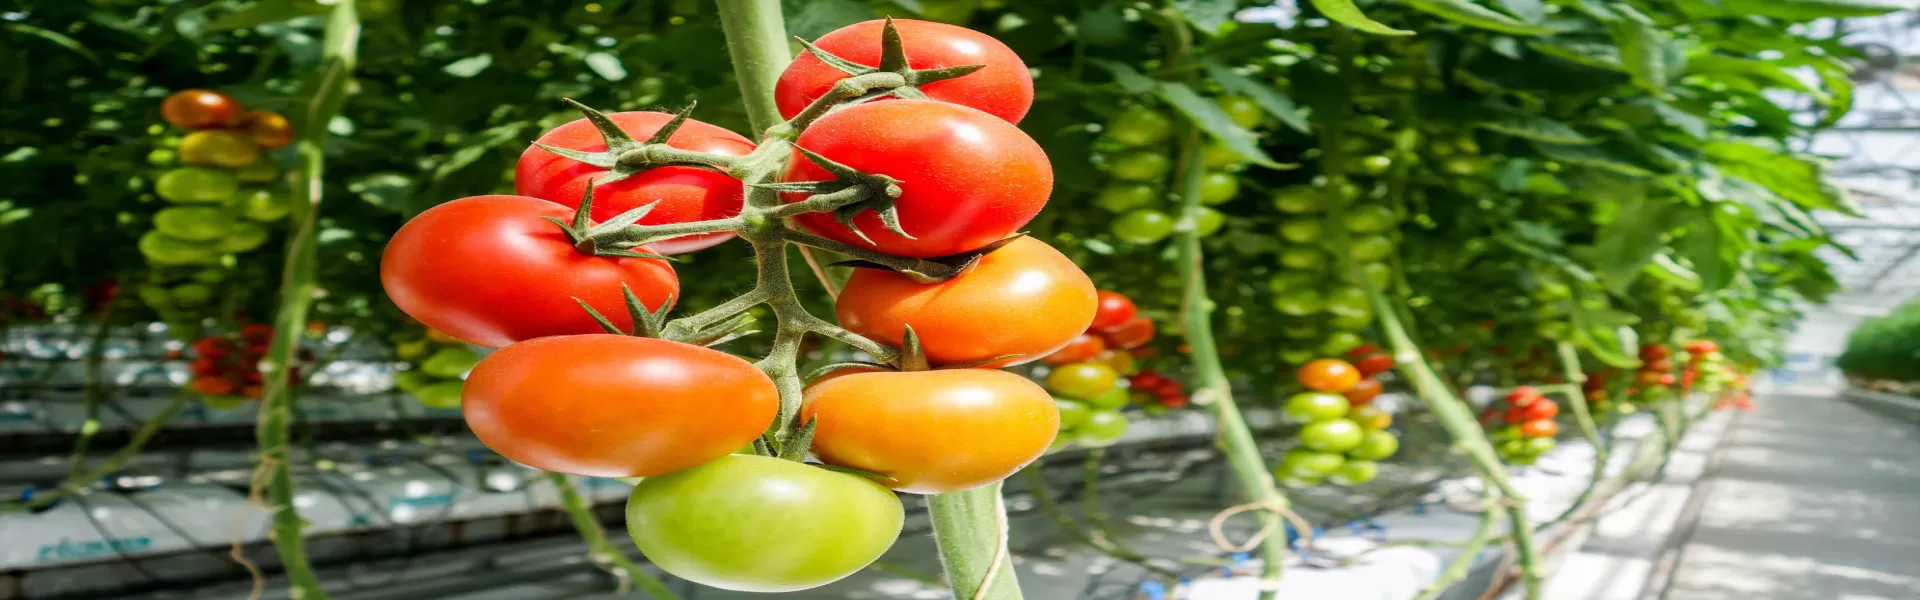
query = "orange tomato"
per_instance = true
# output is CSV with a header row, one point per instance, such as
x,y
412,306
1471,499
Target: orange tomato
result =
x,y
1539,428
1083,347
1329,375
200,109
616,406
1025,299
267,128
1363,392
212,386
934,432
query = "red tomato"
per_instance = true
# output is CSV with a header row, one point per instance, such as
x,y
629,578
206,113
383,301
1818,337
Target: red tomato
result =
x,y
1541,408
1666,379
967,179
960,429
1115,309
1539,428
1659,366
1373,364
1523,395
212,386
1003,88
684,193
267,128
200,109
1329,375
1363,392
1024,299
1082,348
1653,352
616,406
1134,333
1702,347
1175,400
1362,351
489,271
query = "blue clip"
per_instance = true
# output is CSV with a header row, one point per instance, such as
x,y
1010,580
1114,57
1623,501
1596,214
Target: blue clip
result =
x,y
1153,589
1354,527
1420,508
26,494
1375,528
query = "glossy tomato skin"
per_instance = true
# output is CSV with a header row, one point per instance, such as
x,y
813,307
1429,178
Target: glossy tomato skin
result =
x,y
1024,299
489,271
1538,409
1539,428
761,524
967,178
267,128
1329,375
1130,334
1373,364
684,193
934,432
1363,392
200,109
616,406
1003,88
1115,308
1084,347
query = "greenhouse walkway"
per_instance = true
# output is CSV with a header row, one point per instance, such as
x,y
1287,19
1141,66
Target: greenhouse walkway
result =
x,y
1807,497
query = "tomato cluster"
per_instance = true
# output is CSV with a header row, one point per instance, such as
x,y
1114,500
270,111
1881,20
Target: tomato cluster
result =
x,y
538,276
1529,428
226,369
1135,152
436,367
1088,371
220,199
1342,435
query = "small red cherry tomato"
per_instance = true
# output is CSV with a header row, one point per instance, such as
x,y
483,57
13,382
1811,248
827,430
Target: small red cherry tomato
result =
x,y
1115,309
1134,333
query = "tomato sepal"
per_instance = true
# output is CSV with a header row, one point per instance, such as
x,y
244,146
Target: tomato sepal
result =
x,y
925,271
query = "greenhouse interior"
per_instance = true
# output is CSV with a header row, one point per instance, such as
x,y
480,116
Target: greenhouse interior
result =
x,y
1138,299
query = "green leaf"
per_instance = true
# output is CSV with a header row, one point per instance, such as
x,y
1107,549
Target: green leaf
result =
x,y
1685,121
1345,13
267,11
1762,73
1535,128
57,38
1592,54
469,66
1130,80
1531,11
1807,10
1272,100
1642,49
1206,15
1595,156
1625,245
1708,249
1207,115
606,65
1800,181
1467,13
1104,25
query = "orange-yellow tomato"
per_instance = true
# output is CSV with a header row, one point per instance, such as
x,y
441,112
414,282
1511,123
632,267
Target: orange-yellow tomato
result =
x,y
616,406
200,109
267,128
1329,375
1025,300
933,432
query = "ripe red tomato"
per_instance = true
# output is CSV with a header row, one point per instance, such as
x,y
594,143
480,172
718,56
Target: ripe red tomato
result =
x,y
212,386
1362,351
1523,395
1363,392
1115,308
1698,347
1133,333
1373,364
1651,352
267,128
616,406
489,271
1003,88
200,109
1539,428
1329,375
1024,299
967,178
1666,379
1541,408
1083,348
960,429
684,193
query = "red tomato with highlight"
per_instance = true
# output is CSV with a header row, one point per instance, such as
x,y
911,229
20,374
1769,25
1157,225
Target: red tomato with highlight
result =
x,y
1538,409
1698,347
614,405
967,179
1082,348
1133,333
489,271
1115,309
1329,375
200,109
1363,392
684,193
959,429
1362,351
1523,395
1539,428
1373,364
1003,88
1024,299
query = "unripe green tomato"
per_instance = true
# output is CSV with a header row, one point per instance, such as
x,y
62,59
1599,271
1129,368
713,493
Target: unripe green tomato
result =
x,y
1354,144
218,148
1371,248
1072,413
210,275
1349,300
1333,435
1141,165
1355,322
191,294
1303,258
1299,303
444,395
1218,187
155,296
166,250
1218,156
244,237
1143,226
1287,281
265,206
1242,110
1355,472
1370,218
193,223
1372,165
408,381
1084,380
1140,126
1377,272
1540,445
450,362
1103,427
1344,193
1463,165
1298,356
1339,342
1300,330
1309,464
1300,230
1113,399
1314,407
1122,197
196,185
259,171
1512,448
1208,221
1300,200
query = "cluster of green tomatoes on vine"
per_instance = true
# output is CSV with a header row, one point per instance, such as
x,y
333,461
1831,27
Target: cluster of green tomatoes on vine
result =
x,y
219,199
436,367
1137,152
900,152
1342,434
1088,374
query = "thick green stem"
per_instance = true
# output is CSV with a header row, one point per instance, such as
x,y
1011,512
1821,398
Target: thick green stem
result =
x,y
297,292
600,550
1243,454
757,42
971,529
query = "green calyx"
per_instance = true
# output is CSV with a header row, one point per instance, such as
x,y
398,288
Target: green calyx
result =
x,y
626,157
893,60
653,323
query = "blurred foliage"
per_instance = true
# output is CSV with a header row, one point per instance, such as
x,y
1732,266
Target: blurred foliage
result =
x,y
1885,348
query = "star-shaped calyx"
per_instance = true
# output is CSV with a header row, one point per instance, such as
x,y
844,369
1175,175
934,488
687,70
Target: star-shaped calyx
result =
x,y
625,156
848,194
653,323
893,59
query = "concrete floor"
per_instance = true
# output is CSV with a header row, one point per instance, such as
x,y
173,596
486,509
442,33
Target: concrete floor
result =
x,y
1808,497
